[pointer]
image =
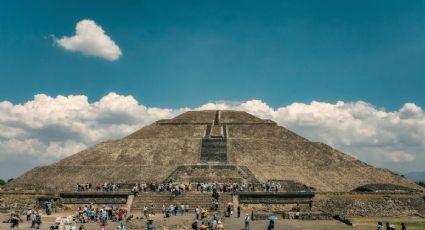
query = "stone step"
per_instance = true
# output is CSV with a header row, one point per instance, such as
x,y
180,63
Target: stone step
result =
x,y
203,200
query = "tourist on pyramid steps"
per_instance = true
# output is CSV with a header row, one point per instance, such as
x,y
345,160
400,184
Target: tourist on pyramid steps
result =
x,y
197,213
403,227
121,226
271,225
103,216
164,210
195,225
48,207
145,211
38,220
29,214
380,227
247,221
220,225
203,226
214,224
103,226
228,211
14,220
182,209
81,227
186,209
239,211
33,215
149,224
392,227
152,208
176,209
297,215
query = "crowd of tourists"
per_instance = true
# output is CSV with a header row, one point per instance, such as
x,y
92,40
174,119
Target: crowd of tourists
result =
x,y
32,215
167,211
214,223
105,187
389,226
87,214
292,215
178,188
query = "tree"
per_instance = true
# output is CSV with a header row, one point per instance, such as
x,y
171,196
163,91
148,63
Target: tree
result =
x,y
10,180
2,182
421,183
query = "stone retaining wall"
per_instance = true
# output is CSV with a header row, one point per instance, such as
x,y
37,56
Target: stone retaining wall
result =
x,y
17,202
372,206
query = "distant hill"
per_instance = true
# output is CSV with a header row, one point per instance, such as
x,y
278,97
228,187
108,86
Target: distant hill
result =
x,y
416,176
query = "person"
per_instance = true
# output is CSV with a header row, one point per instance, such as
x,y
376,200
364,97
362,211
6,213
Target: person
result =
x,y
197,212
387,226
239,211
392,227
380,227
403,227
214,224
186,208
29,214
49,208
195,225
247,220
38,220
14,221
122,225
145,211
103,226
220,225
228,211
182,209
149,224
33,215
81,227
203,226
271,225
104,214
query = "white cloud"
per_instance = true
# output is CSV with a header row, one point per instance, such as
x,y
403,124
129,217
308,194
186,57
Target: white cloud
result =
x,y
51,128
91,40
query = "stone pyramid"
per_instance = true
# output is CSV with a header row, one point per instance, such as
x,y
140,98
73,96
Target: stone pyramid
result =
x,y
210,146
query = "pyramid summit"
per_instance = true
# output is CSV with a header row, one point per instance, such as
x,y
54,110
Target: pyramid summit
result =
x,y
211,146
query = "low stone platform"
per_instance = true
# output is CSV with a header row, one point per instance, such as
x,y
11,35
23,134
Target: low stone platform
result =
x,y
276,198
93,197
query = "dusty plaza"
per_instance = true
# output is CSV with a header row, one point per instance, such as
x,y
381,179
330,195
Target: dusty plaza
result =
x,y
216,169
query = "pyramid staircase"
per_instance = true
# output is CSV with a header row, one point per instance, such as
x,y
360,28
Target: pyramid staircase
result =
x,y
214,143
193,199
213,166
214,150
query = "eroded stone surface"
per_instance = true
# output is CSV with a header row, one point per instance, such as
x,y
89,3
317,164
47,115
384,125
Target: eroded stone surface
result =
x,y
152,153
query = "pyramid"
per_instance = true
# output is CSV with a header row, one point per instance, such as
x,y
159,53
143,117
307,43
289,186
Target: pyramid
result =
x,y
211,146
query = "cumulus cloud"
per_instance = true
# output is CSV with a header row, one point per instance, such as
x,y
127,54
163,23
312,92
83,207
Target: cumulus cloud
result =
x,y
46,128
91,40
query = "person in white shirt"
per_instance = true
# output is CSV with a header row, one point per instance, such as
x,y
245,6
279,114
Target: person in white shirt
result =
x,y
247,221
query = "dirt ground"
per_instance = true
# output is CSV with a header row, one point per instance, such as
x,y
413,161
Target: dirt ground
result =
x,y
183,222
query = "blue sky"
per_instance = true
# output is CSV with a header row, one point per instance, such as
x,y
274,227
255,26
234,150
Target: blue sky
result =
x,y
185,53
347,73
